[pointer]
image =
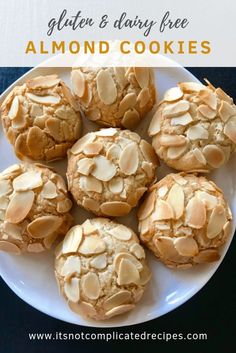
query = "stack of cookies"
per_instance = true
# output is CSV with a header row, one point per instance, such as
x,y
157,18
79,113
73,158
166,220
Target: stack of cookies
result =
x,y
184,218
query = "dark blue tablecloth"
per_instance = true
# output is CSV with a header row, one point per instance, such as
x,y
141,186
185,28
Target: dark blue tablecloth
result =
x,y
212,310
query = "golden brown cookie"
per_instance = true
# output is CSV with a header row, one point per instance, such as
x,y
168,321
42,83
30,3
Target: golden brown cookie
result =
x,y
34,208
118,97
109,171
101,269
184,220
41,118
194,128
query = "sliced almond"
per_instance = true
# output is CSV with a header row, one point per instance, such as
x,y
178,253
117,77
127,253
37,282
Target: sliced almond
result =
x,y
4,201
127,256
35,248
131,119
172,140
116,185
196,132
83,308
49,190
204,256
85,166
89,183
44,226
199,155
175,109
142,76
72,240
176,152
69,96
44,82
155,125
91,204
92,245
120,76
214,155
166,248
99,262
28,181
216,222
148,152
5,187
72,290
143,97
186,246
15,106
19,206
19,122
64,206
13,230
148,169
121,232
121,297
89,228
127,273
222,95
227,229
176,200
46,100
195,213
147,206
173,94
104,169
138,251
91,286
106,87
206,111
208,97
113,152
110,132
128,102
92,149
115,208
129,159
71,266
94,114
190,87
121,309
209,200
162,211
82,142
230,130
78,82
183,120
162,191
9,247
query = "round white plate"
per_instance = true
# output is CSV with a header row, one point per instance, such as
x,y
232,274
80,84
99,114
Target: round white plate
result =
x,y
31,277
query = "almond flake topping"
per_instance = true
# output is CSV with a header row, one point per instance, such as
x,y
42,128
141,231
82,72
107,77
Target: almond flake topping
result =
x,y
49,190
72,240
92,149
116,185
92,245
9,247
19,206
46,100
121,232
197,132
190,87
13,112
5,187
199,155
82,142
127,273
216,222
214,155
85,166
176,200
71,266
89,183
27,181
106,87
184,120
78,82
72,289
44,226
176,152
209,200
207,256
121,309
172,140
91,286
115,208
230,129
142,76
104,169
195,213
208,98
99,262
173,94
110,132
148,152
127,102
206,111
147,206
175,109
165,246
129,159
186,246
162,211
155,126
127,256
121,297
44,82
138,251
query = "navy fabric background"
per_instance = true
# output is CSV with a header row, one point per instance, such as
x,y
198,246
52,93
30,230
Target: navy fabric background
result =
x,y
212,310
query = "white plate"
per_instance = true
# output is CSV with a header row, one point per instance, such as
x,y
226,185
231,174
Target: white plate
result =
x,y
31,277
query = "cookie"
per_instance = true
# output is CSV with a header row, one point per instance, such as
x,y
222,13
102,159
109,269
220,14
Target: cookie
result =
x,y
34,208
109,171
101,269
114,96
41,119
194,128
184,220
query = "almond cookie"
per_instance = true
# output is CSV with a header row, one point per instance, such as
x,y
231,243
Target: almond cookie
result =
x,y
114,96
109,171
194,128
101,269
184,220
34,208
41,119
